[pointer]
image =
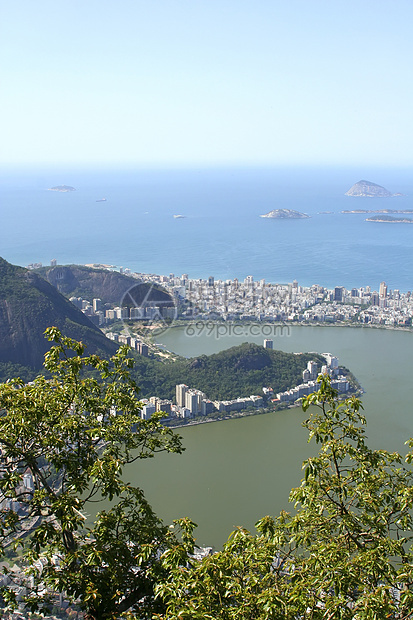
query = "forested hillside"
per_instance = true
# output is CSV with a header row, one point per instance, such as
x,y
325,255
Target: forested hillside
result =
x,y
239,371
28,305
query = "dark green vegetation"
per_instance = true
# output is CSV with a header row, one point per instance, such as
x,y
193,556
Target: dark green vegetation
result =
x,y
109,286
28,305
240,371
344,553
64,443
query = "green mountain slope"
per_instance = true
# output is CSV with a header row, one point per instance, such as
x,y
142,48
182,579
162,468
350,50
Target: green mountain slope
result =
x,y
240,371
28,305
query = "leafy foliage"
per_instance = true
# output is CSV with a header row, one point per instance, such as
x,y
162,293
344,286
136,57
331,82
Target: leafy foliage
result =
x,y
344,553
64,442
238,371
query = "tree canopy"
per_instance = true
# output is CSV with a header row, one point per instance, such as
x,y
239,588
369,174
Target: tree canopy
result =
x,y
64,442
344,552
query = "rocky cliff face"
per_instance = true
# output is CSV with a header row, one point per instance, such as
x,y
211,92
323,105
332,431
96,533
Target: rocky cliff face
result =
x,y
109,286
369,190
80,281
28,305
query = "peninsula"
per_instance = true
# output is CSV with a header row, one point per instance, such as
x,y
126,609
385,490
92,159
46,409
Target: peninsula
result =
x,y
62,188
367,189
283,214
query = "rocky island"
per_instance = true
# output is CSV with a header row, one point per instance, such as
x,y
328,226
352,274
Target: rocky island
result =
x,y
367,189
62,188
283,214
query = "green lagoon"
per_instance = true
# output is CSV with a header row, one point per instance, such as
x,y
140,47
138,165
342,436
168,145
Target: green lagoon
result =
x,y
234,472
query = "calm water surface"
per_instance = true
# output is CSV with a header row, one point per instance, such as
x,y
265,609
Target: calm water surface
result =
x,y
221,234
234,472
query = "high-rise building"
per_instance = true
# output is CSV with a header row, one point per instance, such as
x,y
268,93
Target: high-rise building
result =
x,y
207,407
121,313
53,262
180,392
383,290
268,344
147,411
97,304
143,349
312,369
338,293
375,298
249,281
191,402
164,405
211,281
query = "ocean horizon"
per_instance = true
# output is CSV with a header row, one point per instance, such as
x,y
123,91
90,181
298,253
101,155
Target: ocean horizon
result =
x,y
221,232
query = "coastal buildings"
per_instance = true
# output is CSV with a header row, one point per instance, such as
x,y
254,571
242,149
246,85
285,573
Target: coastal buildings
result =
x,y
338,381
193,403
258,301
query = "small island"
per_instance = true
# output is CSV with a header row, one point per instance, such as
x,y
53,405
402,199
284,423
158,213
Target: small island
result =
x,y
388,219
367,189
386,211
284,214
62,188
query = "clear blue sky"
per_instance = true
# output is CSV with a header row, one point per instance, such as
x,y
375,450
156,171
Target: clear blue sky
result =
x,y
182,82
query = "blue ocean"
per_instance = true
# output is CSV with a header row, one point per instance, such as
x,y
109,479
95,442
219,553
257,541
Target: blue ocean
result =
x,y
221,233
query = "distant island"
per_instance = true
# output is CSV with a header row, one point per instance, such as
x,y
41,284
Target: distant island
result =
x,y
388,219
62,188
284,214
387,211
178,216
367,189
